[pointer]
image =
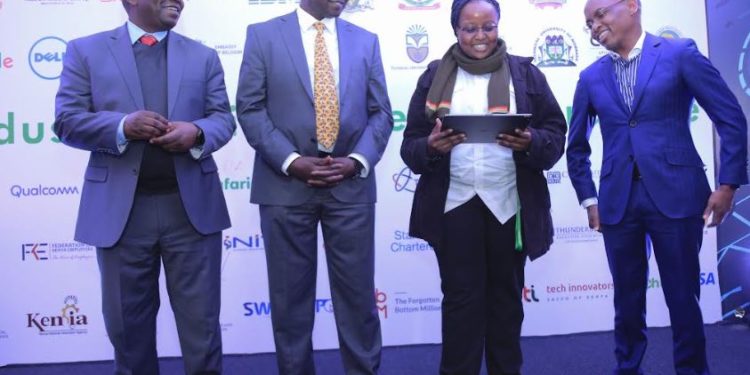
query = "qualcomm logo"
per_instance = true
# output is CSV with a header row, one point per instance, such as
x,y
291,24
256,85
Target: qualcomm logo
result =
x,y
19,191
417,43
46,56
405,180
744,66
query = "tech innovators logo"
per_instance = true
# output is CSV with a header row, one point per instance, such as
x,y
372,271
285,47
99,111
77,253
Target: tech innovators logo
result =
x,y
46,56
744,66
417,43
555,47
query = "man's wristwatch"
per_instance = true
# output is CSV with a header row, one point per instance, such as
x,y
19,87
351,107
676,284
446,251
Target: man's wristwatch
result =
x,y
357,168
200,138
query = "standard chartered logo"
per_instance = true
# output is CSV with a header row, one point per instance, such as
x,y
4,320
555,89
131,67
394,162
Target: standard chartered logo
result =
x,y
19,191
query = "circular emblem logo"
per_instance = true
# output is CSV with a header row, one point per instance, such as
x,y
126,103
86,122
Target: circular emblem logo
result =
x,y
669,32
45,57
555,47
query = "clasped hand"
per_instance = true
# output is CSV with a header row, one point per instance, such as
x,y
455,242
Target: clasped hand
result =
x,y
173,136
322,172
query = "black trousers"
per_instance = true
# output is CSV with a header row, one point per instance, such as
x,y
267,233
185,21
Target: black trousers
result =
x,y
482,276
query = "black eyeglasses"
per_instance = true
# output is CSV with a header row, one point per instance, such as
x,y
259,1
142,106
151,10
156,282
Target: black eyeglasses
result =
x,y
473,30
600,13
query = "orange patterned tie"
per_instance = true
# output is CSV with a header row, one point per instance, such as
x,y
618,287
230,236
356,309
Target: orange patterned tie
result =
x,y
326,100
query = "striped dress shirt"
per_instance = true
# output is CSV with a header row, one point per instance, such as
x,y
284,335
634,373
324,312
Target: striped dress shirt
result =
x,y
626,71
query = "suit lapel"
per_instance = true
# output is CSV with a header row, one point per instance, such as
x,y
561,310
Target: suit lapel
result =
x,y
347,44
290,32
607,72
122,51
649,57
176,59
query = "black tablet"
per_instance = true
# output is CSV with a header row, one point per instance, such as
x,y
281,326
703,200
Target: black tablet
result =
x,y
485,128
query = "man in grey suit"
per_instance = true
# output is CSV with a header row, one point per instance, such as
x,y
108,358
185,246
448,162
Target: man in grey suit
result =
x,y
151,107
312,102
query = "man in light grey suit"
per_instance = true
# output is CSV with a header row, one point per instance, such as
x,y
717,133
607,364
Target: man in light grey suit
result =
x,y
312,102
151,107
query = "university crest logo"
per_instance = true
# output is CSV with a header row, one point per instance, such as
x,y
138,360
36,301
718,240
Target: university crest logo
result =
x,y
417,43
555,47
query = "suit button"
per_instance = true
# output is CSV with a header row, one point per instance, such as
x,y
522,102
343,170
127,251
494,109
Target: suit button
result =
x,y
633,123
135,172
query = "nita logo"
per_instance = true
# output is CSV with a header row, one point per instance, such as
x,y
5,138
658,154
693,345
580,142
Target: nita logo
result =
x,y
251,242
529,294
46,56
34,251
417,43
419,5
555,47
70,320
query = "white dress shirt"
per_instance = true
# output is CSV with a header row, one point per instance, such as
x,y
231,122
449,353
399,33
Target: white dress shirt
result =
x,y
330,37
483,169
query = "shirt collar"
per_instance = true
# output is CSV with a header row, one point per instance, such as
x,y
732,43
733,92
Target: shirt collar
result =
x,y
306,21
136,33
637,49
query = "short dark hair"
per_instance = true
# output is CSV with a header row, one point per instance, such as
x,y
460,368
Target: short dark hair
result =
x,y
459,5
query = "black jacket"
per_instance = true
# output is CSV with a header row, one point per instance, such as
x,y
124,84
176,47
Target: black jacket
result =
x,y
547,126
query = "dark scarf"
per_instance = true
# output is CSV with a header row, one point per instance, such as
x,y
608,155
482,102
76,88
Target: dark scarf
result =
x,y
441,92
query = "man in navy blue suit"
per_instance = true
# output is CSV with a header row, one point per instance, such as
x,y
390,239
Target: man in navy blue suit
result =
x,y
653,182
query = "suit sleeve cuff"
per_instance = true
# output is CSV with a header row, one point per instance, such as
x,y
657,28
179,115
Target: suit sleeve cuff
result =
x,y
288,161
365,166
588,202
122,142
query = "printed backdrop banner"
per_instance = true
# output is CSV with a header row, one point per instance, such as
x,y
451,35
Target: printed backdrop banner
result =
x,y
729,44
51,304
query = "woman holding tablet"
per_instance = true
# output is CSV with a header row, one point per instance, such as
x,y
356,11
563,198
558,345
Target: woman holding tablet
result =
x,y
484,207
